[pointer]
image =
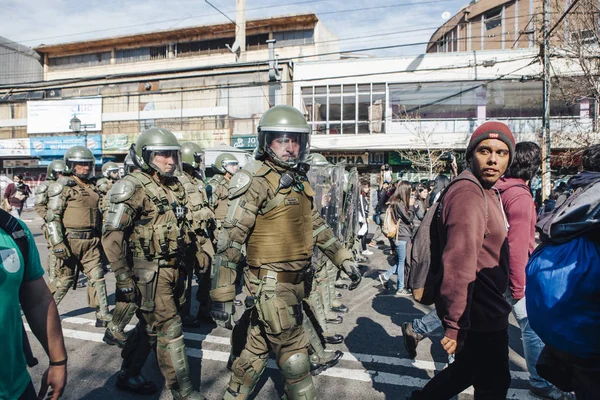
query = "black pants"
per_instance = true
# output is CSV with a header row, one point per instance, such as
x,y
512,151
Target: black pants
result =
x,y
29,393
482,362
570,373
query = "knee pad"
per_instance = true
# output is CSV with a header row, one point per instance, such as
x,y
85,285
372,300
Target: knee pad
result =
x,y
295,367
172,329
96,274
303,390
246,373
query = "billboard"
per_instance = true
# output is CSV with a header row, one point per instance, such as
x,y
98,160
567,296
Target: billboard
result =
x,y
56,146
119,143
15,148
54,116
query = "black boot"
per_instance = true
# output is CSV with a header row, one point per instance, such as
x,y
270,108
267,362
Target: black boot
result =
x,y
337,320
136,384
335,339
317,368
341,309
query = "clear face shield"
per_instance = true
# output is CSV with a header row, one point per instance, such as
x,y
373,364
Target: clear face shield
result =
x,y
231,166
83,169
165,161
289,148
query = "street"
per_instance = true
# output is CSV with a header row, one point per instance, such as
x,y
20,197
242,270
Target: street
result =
x,y
375,364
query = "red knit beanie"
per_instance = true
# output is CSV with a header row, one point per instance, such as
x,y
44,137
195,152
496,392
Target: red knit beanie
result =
x,y
492,130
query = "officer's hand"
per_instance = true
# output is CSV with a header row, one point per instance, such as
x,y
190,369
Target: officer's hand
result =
x,y
223,313
61,251
352,271
127,291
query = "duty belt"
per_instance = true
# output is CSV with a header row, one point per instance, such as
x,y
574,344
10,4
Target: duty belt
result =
x,y
282,277
80,234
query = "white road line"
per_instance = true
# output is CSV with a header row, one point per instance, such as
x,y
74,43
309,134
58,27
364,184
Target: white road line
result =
x,y
336,372
348,356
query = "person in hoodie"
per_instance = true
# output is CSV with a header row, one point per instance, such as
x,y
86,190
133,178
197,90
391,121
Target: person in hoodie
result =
x,y
471,302
520,212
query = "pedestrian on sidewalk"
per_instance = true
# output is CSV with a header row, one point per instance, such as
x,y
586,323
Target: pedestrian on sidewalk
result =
x,y
401,204
15,196
471,302
364,203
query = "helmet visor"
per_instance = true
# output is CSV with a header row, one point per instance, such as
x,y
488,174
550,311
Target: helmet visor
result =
x,y
290,148
167,162
231,166
82,169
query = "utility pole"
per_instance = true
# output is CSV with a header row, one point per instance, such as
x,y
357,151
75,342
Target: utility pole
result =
x,y
240,32
546,136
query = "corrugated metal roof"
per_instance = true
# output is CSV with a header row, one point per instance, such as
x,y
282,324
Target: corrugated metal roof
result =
x,y
17,47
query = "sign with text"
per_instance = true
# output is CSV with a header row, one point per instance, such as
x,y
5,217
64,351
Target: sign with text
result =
x,y
54,116
121,142
244,142
15,148
21,163
56,146
348,157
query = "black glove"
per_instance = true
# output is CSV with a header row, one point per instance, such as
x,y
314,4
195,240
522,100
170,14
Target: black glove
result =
x,y
61,251
353,273
223,314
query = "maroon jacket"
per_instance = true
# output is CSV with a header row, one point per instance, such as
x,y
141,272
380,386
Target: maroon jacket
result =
x,y
475,262
11,189
520,213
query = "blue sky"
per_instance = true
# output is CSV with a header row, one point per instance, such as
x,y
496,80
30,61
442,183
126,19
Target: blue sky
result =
x,y
33,22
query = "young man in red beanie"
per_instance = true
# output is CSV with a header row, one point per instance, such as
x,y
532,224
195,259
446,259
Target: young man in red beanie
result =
x,y
471,302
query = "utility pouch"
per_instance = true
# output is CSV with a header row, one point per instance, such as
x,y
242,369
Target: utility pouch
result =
x,y
147,279
274,315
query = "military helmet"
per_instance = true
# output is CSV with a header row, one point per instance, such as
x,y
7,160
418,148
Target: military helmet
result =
x,y
287,127
54,168
317,159
192,154
108,168
79,155
156,142
128,165
224,163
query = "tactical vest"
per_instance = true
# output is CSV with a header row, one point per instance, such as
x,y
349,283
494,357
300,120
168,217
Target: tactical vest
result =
x,y
283,233
160,232
81,209
195,200
219,204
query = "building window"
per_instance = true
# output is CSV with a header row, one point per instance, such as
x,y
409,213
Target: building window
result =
x,y
345,109
257,42
141,54
202,47
586,36
80,60
294,38
436,100
493,19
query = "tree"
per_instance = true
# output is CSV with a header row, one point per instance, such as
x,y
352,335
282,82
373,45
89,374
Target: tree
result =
x,y
426,155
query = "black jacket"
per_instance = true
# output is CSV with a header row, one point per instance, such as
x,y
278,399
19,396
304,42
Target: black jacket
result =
x,y
404,217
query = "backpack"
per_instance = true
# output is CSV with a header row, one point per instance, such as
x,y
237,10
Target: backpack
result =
x,y
578,214
11,225
390,226
562,295
425,270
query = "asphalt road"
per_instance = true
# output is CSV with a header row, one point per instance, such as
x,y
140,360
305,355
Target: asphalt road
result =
x,y
375,364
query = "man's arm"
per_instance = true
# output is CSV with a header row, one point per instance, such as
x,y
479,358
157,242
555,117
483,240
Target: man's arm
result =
x,y
42,315
464,224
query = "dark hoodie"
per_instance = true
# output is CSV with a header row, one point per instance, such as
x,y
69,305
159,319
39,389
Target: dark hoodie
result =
x,y
520,213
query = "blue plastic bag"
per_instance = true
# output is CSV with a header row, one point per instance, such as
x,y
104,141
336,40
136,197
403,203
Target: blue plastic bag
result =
x,y
563,296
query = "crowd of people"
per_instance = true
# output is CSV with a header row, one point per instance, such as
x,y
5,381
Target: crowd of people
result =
x,y
285,230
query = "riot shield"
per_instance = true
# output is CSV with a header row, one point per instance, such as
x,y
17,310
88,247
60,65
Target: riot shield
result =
x,y
349,215
326,180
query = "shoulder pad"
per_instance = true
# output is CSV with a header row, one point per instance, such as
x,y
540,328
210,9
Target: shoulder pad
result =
x,y
42,187
66,181
121,191
55,189
215,180
256,168
239,183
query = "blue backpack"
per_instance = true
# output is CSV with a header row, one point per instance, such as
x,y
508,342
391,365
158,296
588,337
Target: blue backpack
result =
x,y
563,295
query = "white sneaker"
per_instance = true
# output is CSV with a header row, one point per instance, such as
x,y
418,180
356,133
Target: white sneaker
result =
x,y
367,253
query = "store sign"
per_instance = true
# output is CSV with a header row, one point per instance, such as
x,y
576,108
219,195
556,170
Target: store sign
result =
x,y
244,142
14,148
54,116
56,146
350,158
120,143
21,163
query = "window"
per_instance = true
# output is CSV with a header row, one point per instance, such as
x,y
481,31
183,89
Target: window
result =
x,y
256,42
294,38
204,47
585,36
80,60
141,54
493,19
514,99
436,100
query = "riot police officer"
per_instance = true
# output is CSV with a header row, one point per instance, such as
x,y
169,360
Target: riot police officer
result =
x,y
192,156
270,210
129,166
55,171
73,224
110,174
225,166
154,217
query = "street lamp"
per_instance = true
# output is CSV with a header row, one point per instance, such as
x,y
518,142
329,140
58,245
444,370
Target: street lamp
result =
x,y
75,126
